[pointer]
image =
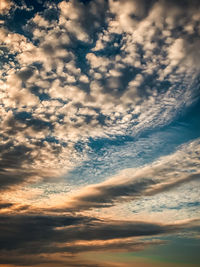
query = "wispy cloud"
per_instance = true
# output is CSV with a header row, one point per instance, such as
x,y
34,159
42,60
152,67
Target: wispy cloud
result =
x,y
165,174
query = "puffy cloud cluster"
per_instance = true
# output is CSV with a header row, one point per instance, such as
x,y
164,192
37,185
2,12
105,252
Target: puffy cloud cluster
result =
x,y
98,69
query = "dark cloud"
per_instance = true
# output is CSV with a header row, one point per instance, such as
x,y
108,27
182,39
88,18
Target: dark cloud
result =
x,y
18,231
27,231
168,186
4,205
107,195
25,74
42,260
17,157
41,235
113,230
15,164
11,170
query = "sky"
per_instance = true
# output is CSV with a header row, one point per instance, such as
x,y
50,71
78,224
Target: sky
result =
x,y
100,133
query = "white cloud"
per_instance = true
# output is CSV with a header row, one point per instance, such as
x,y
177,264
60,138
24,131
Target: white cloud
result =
x,y
5,6
94,94
166,173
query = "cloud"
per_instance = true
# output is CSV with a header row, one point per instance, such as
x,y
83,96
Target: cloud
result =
x,y
4,205
83,20
78,71
43,238
123,94
182,167
5,5
94,70
24,151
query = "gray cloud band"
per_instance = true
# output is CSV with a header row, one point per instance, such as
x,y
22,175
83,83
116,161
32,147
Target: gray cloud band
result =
x,y
41,234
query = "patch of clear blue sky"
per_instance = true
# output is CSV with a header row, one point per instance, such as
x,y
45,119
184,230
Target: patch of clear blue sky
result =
x,y
107,156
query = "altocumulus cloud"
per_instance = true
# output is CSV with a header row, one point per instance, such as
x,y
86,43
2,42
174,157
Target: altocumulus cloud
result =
x,y
64,84
77,71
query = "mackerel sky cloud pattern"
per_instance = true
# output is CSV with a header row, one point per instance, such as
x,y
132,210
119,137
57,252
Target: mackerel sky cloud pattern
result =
x,y
100,133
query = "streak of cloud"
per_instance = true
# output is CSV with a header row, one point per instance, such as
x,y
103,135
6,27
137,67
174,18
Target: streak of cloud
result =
x,y
165,174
